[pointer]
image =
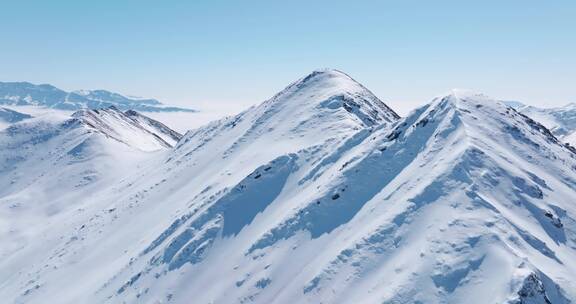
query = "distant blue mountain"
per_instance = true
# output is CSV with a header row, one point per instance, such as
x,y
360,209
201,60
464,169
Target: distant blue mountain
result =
x,y
11,116
45,95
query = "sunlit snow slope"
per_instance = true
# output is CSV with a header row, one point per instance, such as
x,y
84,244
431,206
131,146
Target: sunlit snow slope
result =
x,y
561,121
48,165
319,195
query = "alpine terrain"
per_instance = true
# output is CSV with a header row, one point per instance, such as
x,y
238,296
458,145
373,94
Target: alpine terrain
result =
x,y
561,121
321,194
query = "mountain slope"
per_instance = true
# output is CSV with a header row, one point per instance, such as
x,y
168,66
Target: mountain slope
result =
x,y
561,121
464,200
215,157
54,152
322,195
326,105
52,166
131,128
168,135
45,95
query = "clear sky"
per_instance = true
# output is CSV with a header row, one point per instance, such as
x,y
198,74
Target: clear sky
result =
x,y
231,54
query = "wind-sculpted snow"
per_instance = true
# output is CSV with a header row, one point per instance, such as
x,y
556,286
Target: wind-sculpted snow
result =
x,y
359,182
319,195
561,121
430,209
129,128
168,135
235,209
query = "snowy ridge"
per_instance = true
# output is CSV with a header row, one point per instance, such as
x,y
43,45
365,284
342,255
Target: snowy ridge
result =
x,y
33,152
319,195
326,105
168,135
49,166
561,120
131,128
472,229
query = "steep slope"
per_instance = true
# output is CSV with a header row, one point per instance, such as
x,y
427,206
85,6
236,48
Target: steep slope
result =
x,y
561,121
50,165
320,195
168,135
131,128
58,152
465,200
319,112
325,106
45,95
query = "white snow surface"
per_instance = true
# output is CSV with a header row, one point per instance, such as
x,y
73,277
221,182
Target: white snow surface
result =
x,y
130,127
321,194
560,120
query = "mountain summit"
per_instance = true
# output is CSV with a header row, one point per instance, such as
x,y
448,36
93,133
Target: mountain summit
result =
x,y
333,89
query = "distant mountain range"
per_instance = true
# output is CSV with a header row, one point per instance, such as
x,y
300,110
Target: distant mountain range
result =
x,y
45,95
561,121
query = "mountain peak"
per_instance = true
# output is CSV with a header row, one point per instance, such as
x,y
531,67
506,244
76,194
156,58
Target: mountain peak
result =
x,y
333,89
328,73
326,106
326,77
464,94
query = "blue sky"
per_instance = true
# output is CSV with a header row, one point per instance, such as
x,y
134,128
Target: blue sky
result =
x,y
231,54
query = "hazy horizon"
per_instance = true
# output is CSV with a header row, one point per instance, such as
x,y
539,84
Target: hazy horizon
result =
x,y
222,56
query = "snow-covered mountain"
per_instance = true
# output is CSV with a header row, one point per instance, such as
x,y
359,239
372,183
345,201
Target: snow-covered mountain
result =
x,y
45,95
8,116
321,194
560,120
50,165
130,127
34,152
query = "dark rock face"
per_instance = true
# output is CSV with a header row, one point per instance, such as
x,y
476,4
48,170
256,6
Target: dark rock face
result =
x,y
532,291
